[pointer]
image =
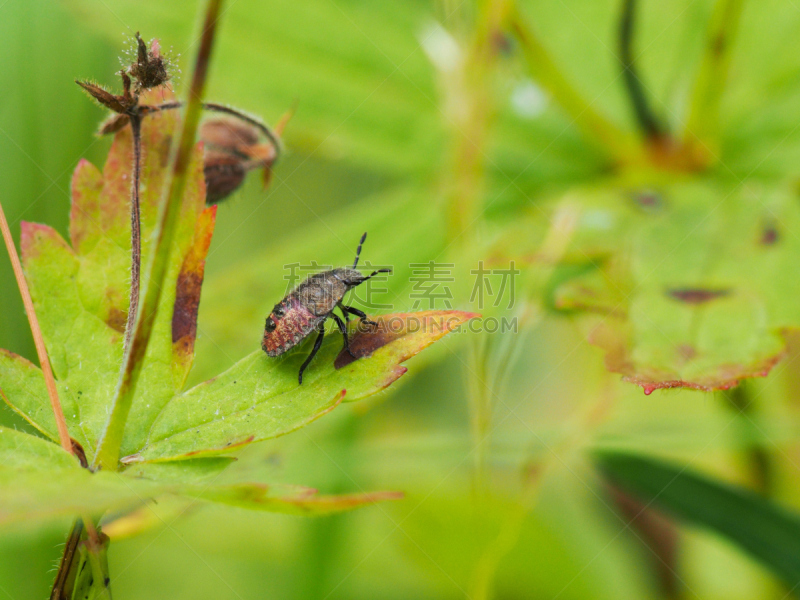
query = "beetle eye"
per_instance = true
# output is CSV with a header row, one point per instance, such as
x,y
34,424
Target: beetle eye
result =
x,y
278,312
270,325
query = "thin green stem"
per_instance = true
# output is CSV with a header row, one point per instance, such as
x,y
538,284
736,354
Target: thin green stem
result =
x,y
619,144
97,557
759,462
107,456
481,408
702,124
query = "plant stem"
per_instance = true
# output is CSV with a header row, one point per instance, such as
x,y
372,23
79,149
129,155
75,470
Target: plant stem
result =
x,y
273,137
702,124
44,360
136,227
471,110
759,462
619,144
97,547
107,456
641,108
65,577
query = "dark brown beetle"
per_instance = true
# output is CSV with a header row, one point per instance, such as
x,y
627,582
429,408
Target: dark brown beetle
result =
x,y
309,305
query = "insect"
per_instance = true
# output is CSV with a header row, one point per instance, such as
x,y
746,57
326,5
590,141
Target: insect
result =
x,y
308,306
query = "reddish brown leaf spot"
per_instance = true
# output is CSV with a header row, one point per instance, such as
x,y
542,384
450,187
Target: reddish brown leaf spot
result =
x,y
369,338
696,295
648,199
770,235
117,319
189,284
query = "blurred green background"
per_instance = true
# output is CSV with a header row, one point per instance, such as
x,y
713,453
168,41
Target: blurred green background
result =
x,y
500,499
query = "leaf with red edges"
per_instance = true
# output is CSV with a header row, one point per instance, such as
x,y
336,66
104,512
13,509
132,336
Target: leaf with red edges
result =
x,y
81,290
696,292
259,397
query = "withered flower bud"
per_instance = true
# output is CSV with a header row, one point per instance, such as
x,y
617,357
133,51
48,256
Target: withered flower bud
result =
x,y
228,134
232,148
103,96
224,173
151,68
113,124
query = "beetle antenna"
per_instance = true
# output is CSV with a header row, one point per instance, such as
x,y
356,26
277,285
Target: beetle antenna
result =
x,y
358,250
371,275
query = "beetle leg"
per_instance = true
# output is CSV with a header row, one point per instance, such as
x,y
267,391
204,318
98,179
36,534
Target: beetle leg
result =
x,y
343,329
345,314
317,344
360,314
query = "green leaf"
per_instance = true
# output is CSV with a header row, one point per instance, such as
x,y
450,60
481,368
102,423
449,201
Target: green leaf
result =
x,y
39,481
767,531
24,382
259,397
237,299
684,284
292,500
81,290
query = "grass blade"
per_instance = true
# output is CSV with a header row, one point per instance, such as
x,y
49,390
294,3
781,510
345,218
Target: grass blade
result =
x,y
766,531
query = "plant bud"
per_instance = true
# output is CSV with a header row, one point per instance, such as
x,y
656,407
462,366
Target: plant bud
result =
x,y
151,68
232,149
224,173
228,134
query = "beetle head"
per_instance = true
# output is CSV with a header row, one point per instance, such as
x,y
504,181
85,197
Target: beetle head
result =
x,y
272,320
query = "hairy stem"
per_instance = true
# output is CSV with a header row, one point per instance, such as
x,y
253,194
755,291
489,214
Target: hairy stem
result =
x,y
107,456
221,108
41,351
641,108
136,228
97,557
65,577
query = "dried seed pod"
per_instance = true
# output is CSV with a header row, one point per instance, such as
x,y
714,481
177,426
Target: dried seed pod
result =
x,y
232,148
228,134
113,124
103,96
151,69
224,173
